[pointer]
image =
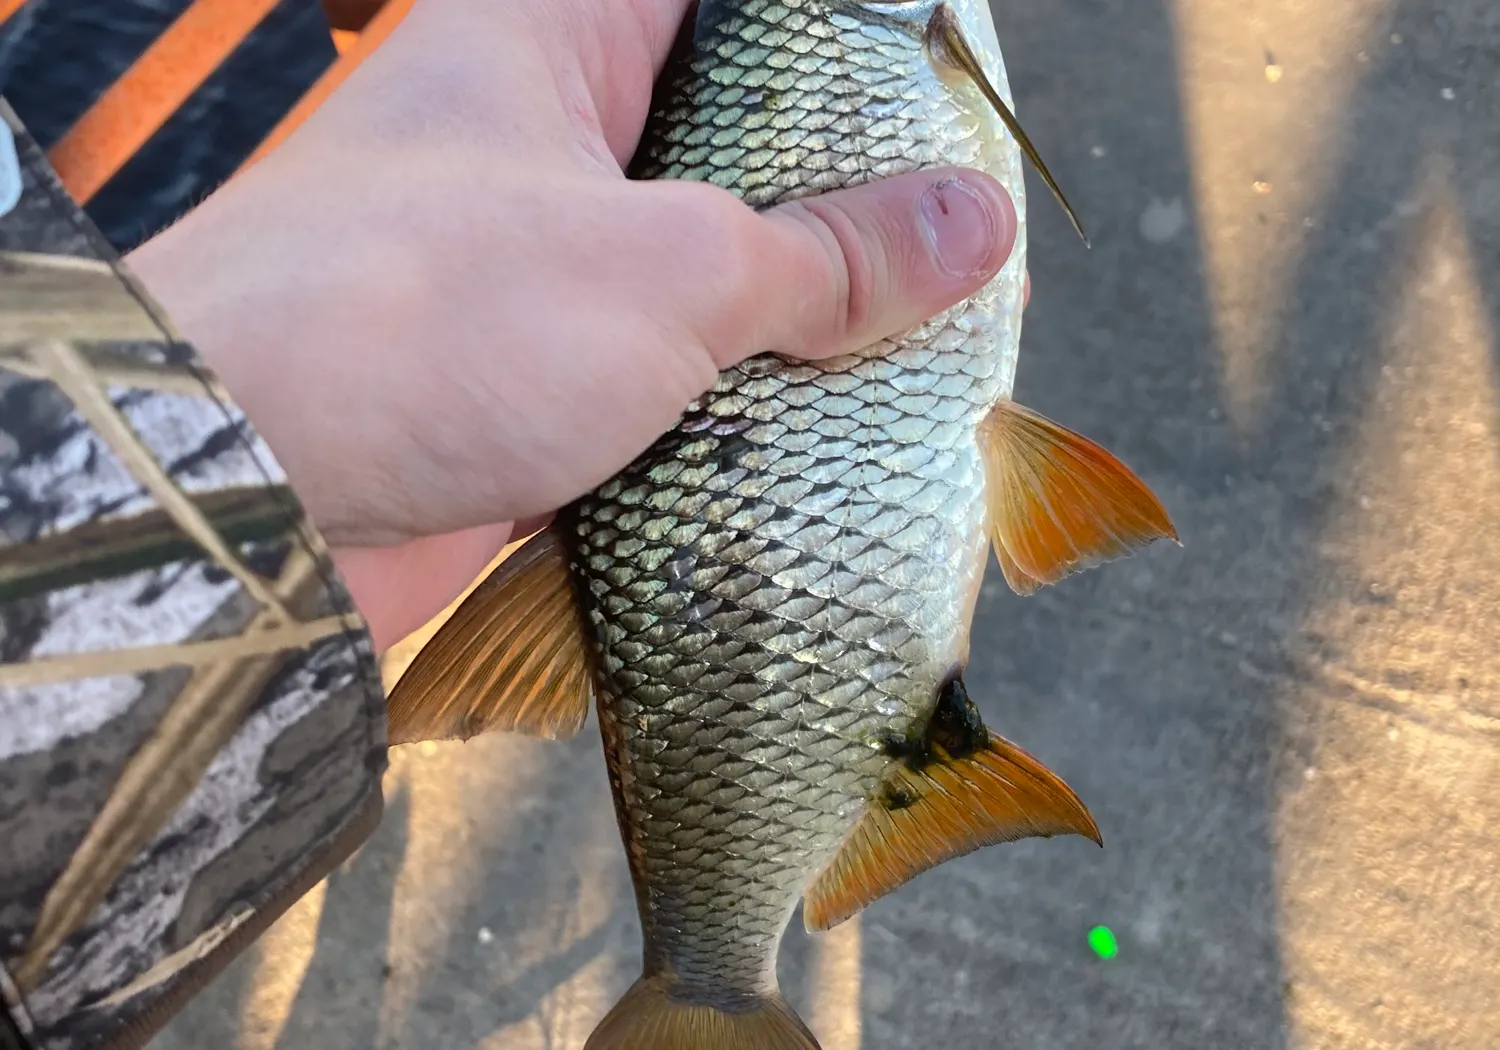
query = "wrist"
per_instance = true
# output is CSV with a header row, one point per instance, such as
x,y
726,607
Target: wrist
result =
x,y
245,282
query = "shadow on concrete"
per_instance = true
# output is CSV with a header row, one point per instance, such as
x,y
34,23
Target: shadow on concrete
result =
x,y
547,879
338,1003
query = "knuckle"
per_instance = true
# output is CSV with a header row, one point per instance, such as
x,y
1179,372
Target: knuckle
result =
x,y
855,262
719,238
723,252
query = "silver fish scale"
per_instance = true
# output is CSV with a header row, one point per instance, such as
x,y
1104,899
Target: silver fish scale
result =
x,y
783,582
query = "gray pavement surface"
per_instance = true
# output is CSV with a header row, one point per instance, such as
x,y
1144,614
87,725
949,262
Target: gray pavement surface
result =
x,y
1288,730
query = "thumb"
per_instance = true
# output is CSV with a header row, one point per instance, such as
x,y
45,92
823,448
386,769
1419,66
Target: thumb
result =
x,y
834,273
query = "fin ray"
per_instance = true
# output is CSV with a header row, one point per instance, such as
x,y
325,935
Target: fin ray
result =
x,y
946,42
968,790
513,656
1058,502
646,1019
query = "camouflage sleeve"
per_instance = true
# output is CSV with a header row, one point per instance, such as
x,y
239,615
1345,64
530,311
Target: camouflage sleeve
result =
x,y
192,728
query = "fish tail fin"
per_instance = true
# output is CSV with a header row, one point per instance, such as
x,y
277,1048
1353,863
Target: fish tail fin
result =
x,y
646,1019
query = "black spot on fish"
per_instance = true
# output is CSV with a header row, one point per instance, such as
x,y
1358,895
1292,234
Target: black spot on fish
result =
x,y
181,355
215,575
39,417
898,798
899,745
956,725
22,624
955,731
167,577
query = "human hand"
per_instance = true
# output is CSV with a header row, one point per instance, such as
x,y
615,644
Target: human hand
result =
x,y
447,311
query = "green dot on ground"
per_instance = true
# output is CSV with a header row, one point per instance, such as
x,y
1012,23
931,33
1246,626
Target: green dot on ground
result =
x,y
1102,940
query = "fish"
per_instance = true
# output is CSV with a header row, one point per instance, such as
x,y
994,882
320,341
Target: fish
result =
x,y
771,607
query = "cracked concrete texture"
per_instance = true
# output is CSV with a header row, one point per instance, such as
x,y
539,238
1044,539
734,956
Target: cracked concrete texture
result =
x,y
1288,730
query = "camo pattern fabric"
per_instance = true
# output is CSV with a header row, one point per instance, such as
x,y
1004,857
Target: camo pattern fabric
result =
x,y
192,727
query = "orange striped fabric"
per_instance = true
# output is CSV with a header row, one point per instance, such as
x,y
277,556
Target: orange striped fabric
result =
x,y
135,106
178,62
374,34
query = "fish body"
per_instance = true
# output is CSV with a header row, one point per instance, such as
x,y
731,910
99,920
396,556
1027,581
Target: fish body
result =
x,y
782,584
771,606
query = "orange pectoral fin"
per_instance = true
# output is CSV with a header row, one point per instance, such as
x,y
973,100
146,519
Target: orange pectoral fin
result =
x,y
1058,502
513,656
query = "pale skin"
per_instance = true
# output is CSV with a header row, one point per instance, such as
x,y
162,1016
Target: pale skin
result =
x,y
449,313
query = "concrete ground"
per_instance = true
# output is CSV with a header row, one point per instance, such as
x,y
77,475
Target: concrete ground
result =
x,y
1288,730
